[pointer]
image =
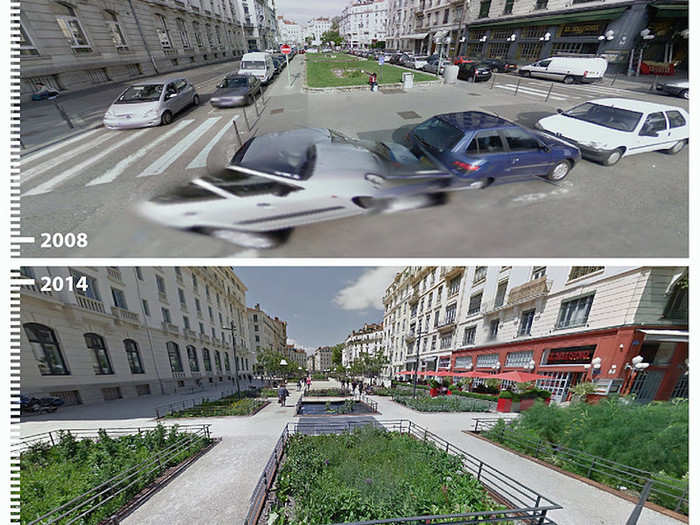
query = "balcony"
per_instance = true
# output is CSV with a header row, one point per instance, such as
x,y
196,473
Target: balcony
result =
x,y
215,340
178,375
446,326
170,327
163,297
493,306
528,291
90,304
449,272
190,334
125,315
115,274
196,374
34,289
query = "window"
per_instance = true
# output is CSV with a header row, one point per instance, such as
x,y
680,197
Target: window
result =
x,y
450,313
182,29
227,363
166,315
186,322
453,286
445,16
46,350
174,356
445,341
508,8
486,142
217,360
192,358
255,317
479,274
677,305
26,46
433,342
580,271
486,360
518,359
575,312
178,272
91,292
526,322
211,314
194,283
469,335
541,4
501,293
115,29
484,8
654,123
119,298
100,360
201,328
463,362
181,295
162,30
207,359
606,116
499,49
71,28
133,357
146,308
520,140
475,303
538,272
437,319
198,306
257,338
160,282
493,328
530,50
675,119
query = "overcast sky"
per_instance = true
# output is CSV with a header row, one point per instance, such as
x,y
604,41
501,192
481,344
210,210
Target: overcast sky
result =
x,y
321,305
302,10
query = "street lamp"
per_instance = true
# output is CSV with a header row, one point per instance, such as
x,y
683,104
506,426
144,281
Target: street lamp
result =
x,y
530,366
283,362
235,358
635,366
415,375
511,38
547,36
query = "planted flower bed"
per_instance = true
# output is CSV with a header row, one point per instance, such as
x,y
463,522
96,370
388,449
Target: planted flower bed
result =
x,y
371,474
226,406
72,469
443,404
327,392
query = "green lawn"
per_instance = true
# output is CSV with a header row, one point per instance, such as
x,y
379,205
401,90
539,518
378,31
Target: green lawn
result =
x,y
443,404
346,70
226,406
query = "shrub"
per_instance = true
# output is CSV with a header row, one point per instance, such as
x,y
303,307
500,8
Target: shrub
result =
x,y
505,394
443,404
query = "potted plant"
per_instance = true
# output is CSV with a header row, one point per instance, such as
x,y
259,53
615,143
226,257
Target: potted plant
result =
x,y
544,395
434,388
527,399
505,401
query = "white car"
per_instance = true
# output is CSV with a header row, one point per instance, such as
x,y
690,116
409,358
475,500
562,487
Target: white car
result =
x,y
608,129
417,62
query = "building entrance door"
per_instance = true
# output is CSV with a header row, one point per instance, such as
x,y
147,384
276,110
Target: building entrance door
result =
x,y
558,384
646,384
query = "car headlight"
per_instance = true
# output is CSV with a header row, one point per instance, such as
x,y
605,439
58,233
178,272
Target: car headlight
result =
x,y
374,179
595,144
538,125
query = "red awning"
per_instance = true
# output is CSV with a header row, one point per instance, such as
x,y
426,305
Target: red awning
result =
x,y
444,373
481,375
406,373
519,377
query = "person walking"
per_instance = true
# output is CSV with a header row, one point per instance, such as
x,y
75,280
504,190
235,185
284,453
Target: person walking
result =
x,y
299,385
372,81
354,386
282,394
308,383
361,386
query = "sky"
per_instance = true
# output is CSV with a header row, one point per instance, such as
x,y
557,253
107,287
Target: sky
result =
x,y
321,305
302,10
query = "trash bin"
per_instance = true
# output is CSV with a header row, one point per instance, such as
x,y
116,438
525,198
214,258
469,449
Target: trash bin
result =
x,y
407,80
450,74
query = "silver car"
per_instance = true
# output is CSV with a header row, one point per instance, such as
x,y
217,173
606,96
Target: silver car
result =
x,y
678,88
150,104
278,181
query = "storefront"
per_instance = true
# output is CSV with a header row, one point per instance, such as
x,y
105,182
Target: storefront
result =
x,y
601,356
668,23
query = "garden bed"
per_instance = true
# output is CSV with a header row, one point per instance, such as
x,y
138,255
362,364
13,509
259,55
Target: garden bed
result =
x,y
100,475
226,406
347,407
443,404
327,392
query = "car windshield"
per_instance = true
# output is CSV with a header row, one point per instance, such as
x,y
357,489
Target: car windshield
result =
x,y
293,158
253,64
142,93
187,193
437,134
234,82
608,116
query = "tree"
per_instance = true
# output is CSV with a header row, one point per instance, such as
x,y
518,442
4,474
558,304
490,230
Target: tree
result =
x,y
337,356
308,40
332,37
270,363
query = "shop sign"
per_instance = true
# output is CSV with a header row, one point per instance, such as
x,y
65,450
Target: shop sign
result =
x,y
573,355
585,29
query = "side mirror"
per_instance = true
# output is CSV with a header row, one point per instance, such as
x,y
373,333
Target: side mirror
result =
x,y
559,110
544,147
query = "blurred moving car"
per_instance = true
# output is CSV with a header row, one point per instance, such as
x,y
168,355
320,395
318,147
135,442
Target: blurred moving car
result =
x,y
235,90
278,181
150,104
678,88
471,70
480,149
608,129
500,66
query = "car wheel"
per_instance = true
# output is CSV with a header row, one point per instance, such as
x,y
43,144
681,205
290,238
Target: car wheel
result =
x,y
676,148
195,100
525,74
614,157
559,171
684,94
254,240
166,118
568,79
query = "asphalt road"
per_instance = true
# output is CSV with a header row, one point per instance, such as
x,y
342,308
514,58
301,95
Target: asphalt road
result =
x,y
90,184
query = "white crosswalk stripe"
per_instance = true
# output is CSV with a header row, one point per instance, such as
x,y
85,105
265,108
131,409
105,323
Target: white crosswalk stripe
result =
x,y
30,157
123,164
170,156
30,173
67,174
530,91
200,161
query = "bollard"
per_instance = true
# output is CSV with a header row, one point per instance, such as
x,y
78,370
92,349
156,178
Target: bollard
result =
x,y
257,110
493,81
517,87
549,92
613,80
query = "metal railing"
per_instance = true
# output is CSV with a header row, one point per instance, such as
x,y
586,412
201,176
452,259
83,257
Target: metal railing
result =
x,y
596,468
133,478
369,402
178,406
525,505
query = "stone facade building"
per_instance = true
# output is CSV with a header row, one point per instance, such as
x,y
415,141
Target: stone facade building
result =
x,y
266,332
366,340
363,23
323,358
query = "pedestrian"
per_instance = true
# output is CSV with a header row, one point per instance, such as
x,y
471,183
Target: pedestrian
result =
x,y
308,383
372,81
282,394
354,386
299,385
43,91
361,386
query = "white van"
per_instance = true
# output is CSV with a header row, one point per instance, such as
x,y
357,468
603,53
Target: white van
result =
x,y
259,65
568,69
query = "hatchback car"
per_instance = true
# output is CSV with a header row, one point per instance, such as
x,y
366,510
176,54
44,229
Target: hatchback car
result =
x,y
235,90
678,88
150,104
500,66
480,149
608,129
432,66
479,72
279,181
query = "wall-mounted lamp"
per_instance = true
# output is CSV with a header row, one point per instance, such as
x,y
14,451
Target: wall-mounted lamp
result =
x,y
637,364
609,35
482,39
646,34
511,38
613,370
530,365
547,36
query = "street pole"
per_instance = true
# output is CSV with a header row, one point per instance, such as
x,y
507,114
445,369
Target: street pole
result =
x,y
235,358
415,375
462,28
289,75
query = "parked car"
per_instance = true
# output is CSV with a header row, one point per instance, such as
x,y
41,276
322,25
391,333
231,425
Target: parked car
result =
x,y
608,129
278,63
404,60
150,104
500,66
480,149
30,404
432,67
259,65
472,70
678,88
395,59
568,69
417,62
278,181
235,90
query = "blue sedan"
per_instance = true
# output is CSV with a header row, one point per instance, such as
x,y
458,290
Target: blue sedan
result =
x,y
480,149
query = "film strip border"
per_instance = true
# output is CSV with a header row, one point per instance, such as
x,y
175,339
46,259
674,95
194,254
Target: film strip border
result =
x,y
15,140
17,281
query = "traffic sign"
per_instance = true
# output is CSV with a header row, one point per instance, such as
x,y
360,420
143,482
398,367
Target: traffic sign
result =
x,y
285,49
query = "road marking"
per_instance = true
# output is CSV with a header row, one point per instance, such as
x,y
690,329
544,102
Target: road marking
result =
x,y
119,168
200,161
52,183
42,153
530,91
72,154
170,156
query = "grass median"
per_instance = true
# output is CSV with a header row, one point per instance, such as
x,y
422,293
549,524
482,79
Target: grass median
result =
x,y
226,406
443,404
340,70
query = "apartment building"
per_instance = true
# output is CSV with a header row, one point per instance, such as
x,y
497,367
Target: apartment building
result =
x,y
266,332
75,45
310,367
366,340
259,22
526,30
323,358
296,357
290,32
315,28
363,23
555,321
132,331
425,26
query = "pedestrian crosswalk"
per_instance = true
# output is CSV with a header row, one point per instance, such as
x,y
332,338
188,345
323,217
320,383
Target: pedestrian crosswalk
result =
x,y
103,156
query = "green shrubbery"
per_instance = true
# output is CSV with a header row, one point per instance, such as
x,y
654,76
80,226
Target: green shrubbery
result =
x,y
371,474
327,392
226,406
443,404
52,476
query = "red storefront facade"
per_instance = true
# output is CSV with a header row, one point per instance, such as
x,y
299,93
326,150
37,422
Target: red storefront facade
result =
x,y
563,357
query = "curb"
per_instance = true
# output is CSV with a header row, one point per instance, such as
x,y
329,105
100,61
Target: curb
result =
x,y
39,147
